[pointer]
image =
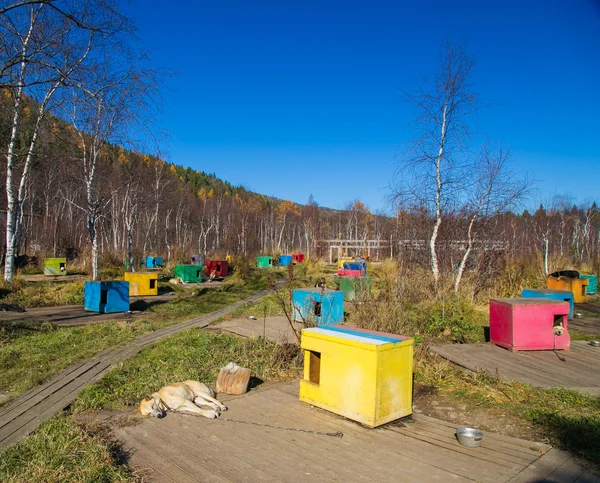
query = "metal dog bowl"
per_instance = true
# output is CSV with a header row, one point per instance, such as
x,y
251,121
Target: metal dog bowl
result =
x,y
595,343
469,437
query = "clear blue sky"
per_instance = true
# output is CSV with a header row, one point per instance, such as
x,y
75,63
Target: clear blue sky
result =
x,y
291,98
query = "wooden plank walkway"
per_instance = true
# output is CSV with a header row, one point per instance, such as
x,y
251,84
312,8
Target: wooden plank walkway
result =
x,y
30,409
585,325
77,316
268,435
544,369
276,329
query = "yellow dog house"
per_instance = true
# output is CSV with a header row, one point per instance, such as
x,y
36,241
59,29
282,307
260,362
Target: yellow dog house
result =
x,y
141,283
576,285
363,375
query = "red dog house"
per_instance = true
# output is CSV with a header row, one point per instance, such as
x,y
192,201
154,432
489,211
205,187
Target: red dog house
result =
x,y
529,324
351,273
297,257
220,267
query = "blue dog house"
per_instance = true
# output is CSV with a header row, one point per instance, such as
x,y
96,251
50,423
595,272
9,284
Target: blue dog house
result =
x,y
106,297
197,260
325,307
592,287
550,293
284,260
357,264
154,262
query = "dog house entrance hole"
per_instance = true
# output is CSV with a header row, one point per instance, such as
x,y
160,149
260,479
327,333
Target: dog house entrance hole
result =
x,y
314,367
558,320
104,297
152,283
62,267
317,309
198,273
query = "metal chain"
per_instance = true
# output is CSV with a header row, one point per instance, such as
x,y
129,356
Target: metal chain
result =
x,y
337,434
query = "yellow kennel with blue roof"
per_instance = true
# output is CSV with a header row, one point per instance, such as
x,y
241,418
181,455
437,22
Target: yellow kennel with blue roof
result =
x,y
363,375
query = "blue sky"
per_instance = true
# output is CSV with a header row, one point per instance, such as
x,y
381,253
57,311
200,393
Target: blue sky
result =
x,y
291,98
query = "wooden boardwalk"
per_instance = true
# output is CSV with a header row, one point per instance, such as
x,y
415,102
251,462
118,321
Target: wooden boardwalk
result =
x,y
585,325
77,316
30,409
276,329
579,371
268,435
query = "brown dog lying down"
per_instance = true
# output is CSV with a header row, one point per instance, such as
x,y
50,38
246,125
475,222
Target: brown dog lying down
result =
x,y
184,396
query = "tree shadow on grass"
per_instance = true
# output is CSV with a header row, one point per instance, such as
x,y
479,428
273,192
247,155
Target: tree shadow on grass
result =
x,y
11,330
578,435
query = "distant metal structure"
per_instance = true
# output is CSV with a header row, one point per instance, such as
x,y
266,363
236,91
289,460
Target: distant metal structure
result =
x,y
363,248
377,247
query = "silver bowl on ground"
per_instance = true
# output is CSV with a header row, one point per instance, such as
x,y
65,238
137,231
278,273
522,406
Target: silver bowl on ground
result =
x,y
469,437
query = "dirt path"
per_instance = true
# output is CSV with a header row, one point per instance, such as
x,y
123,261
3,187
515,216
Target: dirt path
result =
x,y
30,409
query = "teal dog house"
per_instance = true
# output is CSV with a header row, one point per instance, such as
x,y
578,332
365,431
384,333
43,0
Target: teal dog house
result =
x,y
592,287
106,297
553,294
325,307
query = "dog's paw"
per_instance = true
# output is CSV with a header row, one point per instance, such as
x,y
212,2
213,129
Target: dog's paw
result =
x,y
223,408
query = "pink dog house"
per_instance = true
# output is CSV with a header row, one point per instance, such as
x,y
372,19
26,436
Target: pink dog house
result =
x,y
351,273
529,324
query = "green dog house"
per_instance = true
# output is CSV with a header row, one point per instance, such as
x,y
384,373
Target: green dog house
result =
x,y
55,266
189,273
264,261
354,287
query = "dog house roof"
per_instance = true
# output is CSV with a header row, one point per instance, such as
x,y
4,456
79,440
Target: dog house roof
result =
x,y
350,335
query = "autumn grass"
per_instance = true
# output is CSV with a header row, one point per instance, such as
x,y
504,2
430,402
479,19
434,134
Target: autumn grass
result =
x,y
42,294
62,451
32,352
192,354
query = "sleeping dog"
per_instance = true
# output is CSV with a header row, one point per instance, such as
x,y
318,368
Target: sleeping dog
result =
x,y
186,396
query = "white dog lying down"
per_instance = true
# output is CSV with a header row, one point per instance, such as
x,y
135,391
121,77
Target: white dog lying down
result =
x,y
184,396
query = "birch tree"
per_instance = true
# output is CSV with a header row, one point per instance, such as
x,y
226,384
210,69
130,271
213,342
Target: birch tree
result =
x,y
433,169
42,45
494,189
106,108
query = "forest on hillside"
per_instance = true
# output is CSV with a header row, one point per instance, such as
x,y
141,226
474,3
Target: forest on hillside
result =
x,y
76,97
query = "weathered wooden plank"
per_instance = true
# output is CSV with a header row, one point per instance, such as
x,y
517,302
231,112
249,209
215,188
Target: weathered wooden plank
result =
x,y
393,446
206,440
26,396
28,421
23,404
196,462
555,466
511,440
466,356
510,453
314,451
538,368
517,363
339,455
149,456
